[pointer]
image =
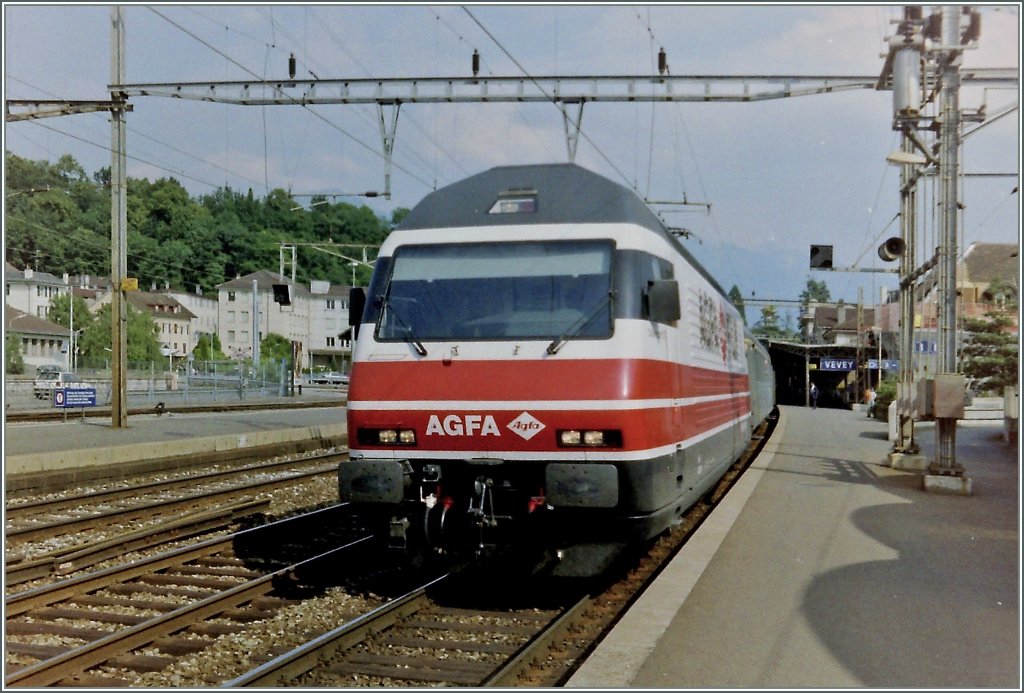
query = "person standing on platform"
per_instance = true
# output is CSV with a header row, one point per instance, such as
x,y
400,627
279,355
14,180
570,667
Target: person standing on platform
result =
x,y
814,396
870,397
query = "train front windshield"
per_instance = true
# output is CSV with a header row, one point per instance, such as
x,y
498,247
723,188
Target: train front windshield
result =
x,y
479,291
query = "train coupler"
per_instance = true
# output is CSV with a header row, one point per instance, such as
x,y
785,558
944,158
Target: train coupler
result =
x,y
398,533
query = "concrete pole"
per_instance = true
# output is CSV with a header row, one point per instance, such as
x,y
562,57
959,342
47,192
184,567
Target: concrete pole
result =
x,y
118,233
71,311
255,326
949,143
905,442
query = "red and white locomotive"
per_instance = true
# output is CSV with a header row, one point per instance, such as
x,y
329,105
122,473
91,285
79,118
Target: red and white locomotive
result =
x,y
538,358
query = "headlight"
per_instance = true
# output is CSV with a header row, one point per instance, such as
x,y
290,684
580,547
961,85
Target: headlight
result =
x,y
386,436
569,438
590,439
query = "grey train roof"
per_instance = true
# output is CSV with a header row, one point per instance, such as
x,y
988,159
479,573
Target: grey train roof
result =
x,y
565,194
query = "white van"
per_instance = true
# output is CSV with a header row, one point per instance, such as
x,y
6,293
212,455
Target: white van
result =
x,y
48,381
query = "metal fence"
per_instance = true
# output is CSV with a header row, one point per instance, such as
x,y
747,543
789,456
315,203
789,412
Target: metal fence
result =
x,y
150,383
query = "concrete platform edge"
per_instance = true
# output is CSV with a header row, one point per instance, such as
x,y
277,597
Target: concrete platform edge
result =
x,y
69,459
620,655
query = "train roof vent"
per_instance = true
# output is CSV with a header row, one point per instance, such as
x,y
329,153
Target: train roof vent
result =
x,y
515,201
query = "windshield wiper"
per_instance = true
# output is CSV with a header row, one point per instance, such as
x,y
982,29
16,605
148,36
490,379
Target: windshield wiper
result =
x,y
574,329
409,335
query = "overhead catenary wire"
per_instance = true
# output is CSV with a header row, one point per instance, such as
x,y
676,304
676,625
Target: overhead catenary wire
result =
x,y
486,65
295,101
553,101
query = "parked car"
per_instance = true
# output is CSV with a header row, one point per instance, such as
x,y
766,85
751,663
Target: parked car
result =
x,y
48,381
329,378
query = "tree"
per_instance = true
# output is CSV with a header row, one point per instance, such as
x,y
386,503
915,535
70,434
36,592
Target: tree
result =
x,y
990,352
208,349
815,292
737,300
60,312
14,364
769,325
143,346
274,347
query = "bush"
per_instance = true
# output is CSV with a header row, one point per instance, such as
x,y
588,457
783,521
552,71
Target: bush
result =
x,y
884,396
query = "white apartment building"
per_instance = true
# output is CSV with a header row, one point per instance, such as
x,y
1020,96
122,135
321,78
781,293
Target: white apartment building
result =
x,y
30,291
317,317
43,343
329,339
174,322
204,308
236,306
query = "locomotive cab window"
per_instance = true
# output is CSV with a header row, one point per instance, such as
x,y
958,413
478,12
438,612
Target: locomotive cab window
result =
x,y
490,291
637,275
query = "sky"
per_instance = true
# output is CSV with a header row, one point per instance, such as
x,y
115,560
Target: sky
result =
x,y
778,175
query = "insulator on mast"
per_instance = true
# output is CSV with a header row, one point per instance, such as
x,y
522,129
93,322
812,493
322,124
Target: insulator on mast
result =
x,y
662,62
291,66
973,32
476,62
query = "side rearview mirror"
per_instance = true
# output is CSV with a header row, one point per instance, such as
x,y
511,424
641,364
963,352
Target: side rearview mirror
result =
x,y
663,300
356,303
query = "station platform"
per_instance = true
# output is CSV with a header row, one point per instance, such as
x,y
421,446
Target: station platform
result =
x,y
78,443
823,568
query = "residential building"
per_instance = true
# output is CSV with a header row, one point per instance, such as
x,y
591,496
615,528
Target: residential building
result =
x,y
317,317
43,343
173,320
330,343
204,308
236,303
30,291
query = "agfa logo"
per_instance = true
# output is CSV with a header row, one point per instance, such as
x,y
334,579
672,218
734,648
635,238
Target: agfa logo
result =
x,y
470,425
525,426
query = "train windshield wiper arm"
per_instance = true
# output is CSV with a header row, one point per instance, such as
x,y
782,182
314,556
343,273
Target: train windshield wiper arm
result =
x,y
410,336
574,329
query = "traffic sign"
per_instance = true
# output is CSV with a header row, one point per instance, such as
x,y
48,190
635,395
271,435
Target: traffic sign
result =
x,y
64,397
836,364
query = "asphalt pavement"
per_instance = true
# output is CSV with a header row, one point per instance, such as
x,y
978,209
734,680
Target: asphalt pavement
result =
x,y
824,568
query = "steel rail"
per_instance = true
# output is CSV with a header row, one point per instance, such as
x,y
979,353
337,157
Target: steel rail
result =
x,y
17,510
53,670
31,599
169,505
290,665
64,561
508,674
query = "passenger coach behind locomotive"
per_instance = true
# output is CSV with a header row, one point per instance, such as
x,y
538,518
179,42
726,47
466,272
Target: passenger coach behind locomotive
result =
x,y
540,360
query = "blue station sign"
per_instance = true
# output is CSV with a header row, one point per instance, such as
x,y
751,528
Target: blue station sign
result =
x,y
887,364
836,364
74,397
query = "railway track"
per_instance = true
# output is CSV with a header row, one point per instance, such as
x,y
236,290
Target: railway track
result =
x,y
420,640
435,635
415,640
113,521
99,629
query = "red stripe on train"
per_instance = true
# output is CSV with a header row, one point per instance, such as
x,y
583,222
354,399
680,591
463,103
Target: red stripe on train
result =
x,y
509,380
536,431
